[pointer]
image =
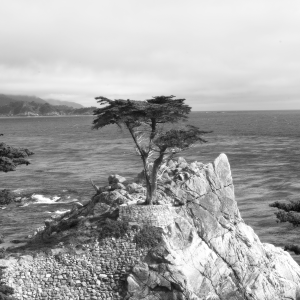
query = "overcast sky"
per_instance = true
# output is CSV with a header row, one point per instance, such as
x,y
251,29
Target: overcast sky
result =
x,y
219,55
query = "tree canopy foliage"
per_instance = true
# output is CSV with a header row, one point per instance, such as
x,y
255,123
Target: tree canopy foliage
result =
x,y
144,120
160,109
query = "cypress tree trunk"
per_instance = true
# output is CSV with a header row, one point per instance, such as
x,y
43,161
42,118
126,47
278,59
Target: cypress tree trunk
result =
x,y
151,190
149,193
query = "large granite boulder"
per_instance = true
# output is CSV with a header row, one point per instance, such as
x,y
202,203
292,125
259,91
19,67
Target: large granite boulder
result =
x,y
208,252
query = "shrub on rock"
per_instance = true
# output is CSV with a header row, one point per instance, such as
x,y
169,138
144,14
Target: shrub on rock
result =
x,y
11,157
112,228
148,237
288,212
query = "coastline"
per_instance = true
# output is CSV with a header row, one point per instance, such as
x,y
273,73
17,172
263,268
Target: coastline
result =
x,y
42,116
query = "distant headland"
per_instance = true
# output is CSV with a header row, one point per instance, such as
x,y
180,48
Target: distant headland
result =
x,y
31,106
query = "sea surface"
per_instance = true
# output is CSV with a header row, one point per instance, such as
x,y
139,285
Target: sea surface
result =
x,y
262,146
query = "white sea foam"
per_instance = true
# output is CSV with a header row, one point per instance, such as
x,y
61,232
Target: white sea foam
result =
x,y
46,199
58,212
42,199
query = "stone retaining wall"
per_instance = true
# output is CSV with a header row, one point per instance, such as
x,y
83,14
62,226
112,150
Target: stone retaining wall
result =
x,y
98,273
154,215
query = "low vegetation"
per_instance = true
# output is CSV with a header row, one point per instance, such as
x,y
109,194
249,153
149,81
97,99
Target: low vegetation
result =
x,y
112,228
11,157
289,212
148,237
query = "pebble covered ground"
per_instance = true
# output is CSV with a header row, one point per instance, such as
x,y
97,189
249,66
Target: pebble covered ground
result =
x,y
99,272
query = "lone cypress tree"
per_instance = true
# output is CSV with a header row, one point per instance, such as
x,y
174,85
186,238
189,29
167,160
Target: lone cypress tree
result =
x,y
144,121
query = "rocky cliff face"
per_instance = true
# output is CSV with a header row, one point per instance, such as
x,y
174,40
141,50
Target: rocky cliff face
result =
x,y
208,252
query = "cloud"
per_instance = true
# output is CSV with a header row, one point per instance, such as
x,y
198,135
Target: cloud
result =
x,y
210,52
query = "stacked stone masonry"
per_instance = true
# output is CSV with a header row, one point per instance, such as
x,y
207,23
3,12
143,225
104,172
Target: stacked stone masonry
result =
x,y
98,273
156,215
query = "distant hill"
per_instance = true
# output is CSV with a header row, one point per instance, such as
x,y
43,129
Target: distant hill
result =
x,y
67,103
4,100
22,108
26,98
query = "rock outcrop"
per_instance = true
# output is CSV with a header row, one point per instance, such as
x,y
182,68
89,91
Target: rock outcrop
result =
x,y
205,251
208,252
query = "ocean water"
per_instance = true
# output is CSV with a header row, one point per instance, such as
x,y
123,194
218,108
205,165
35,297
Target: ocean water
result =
x,y
262,147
